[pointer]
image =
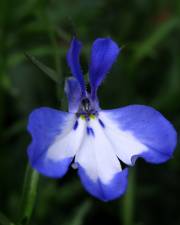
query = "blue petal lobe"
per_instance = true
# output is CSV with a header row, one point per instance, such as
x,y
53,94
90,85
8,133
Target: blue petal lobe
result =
x,y
44,125
149,127
74,64
98,166
73,92
105,192
103,54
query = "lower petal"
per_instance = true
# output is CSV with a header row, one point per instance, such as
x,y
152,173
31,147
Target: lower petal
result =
x,y
105,192
98,166
51,150
139,131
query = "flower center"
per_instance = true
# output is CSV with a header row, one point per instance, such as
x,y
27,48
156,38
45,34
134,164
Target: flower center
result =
x,y
86,110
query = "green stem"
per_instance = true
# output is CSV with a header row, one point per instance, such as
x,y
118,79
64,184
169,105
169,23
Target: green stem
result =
x,y
128,203
4,220
29,195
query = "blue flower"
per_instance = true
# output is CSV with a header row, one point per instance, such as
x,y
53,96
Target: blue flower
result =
x,y
94,140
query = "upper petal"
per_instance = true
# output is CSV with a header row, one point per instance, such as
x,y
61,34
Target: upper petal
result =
x,y
103,54
73,92
139,131
54,141
74,64
98,167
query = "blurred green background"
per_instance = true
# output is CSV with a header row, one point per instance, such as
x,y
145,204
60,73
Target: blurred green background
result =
x,y
147,72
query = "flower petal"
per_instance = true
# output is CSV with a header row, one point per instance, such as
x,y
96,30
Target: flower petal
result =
x,y
73,92
139,131
73,62
103,54
54,141
98,167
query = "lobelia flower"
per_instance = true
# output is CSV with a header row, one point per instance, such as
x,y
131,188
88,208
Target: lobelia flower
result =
x,y
96,140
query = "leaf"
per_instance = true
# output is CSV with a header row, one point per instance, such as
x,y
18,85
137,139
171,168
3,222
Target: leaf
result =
x,y
43,68
16,128
4,220
18,57
169,91
146,47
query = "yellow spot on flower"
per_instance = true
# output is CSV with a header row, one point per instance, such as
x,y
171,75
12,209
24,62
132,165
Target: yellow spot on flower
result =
x,y
92,116
82,117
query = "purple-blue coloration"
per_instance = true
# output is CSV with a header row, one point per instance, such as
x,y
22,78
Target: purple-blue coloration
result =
x,y
44,125
114,189
101,123
90,131
73,92
75,125
103,54
150,127
59,137
73,62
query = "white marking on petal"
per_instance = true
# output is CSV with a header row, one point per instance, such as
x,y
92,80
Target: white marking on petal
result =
x,y
125,143
97,156
68,142
74,165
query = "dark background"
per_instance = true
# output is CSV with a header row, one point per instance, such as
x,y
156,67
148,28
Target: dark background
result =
x,y
147,72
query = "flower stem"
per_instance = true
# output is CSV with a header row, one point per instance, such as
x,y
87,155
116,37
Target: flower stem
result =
x,y
29,195
128,203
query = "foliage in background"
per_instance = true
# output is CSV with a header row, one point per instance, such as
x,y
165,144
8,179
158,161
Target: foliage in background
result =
x,y
147,72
